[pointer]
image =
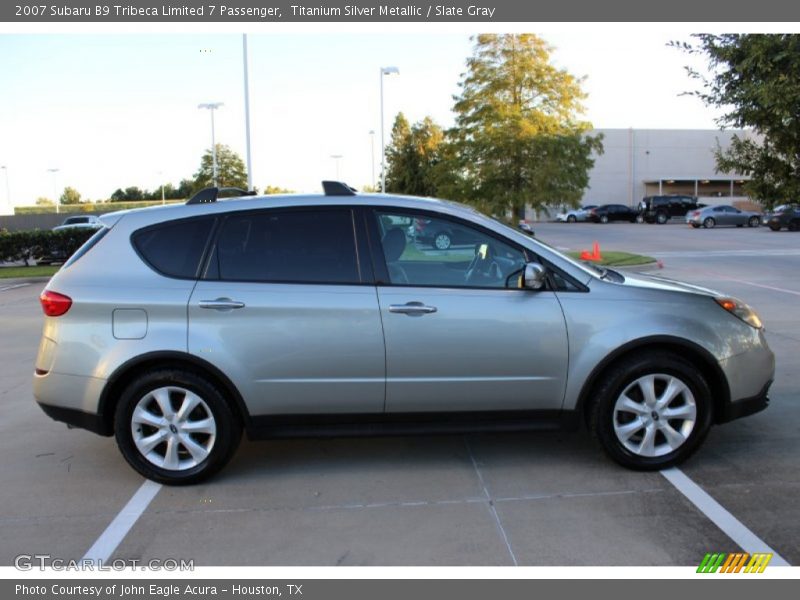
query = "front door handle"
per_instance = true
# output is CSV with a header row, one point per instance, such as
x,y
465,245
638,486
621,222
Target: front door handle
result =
x,y
221,304
413,309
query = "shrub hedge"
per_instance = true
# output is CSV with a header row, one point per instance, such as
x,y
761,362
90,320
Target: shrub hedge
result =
x,y
42,245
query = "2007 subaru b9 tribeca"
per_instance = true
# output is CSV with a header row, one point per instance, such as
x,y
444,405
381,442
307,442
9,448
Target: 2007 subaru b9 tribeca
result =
x,y
175,328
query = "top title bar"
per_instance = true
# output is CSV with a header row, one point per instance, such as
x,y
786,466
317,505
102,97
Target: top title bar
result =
x,y
320,11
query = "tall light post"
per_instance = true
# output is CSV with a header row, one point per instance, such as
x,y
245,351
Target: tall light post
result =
x,y
336,158
384,71
212,106
247,113
55,195
372,156
8,191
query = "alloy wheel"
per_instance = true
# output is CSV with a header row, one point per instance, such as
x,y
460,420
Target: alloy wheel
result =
x,y
654,415
173,428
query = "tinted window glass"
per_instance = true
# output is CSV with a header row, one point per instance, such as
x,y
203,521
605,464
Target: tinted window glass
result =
x,y
175,249
422,250
289,246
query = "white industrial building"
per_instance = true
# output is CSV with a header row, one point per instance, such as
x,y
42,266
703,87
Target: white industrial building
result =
x,y
645,162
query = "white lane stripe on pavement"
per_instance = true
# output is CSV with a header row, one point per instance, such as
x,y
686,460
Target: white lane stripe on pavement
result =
x,y
112,537
13,287
730,525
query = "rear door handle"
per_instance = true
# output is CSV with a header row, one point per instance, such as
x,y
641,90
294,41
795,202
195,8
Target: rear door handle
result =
x,y
412,308
221,304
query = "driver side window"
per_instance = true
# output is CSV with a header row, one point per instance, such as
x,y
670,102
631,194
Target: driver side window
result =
x,y
421,250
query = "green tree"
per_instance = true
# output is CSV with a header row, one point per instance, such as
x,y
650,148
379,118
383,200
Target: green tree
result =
x,y
519,138
70,196
412,157
274,189
42,201
129,194
755,80
231,171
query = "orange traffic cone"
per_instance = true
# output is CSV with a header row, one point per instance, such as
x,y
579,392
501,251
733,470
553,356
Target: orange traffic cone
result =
x,y
596,252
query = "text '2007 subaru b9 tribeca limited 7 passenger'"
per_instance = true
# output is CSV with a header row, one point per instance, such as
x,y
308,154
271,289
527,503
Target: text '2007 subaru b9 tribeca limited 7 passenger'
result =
x,y
174,328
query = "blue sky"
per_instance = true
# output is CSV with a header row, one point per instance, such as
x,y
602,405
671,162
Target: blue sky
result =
x,y
121,109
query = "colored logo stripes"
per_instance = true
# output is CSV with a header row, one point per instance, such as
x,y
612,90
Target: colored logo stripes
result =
x,y
734,563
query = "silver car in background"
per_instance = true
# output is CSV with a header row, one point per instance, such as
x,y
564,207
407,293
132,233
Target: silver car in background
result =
x,y
176,328
722,215
575,215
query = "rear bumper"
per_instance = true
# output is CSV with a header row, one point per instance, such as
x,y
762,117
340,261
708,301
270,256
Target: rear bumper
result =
x,y
77,418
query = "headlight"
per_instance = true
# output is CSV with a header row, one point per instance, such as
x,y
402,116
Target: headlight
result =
x,y
741,310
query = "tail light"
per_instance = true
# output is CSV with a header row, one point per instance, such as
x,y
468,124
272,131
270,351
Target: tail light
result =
x,y
696,213
55,304
593,211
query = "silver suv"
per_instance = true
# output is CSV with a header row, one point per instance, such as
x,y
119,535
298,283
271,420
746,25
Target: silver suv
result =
x,y
176,328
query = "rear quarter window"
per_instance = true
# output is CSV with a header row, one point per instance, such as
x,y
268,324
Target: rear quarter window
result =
x,y
176,248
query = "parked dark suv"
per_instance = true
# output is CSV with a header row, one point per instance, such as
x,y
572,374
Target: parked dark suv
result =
x,y
660,209
611,212
788,216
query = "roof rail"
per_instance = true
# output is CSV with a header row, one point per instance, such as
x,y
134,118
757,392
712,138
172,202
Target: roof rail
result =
x,y
337,188
211,194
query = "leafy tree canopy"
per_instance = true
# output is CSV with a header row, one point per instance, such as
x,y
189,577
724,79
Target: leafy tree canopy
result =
x,y
70,196
755,80
231,171
519,138
413,156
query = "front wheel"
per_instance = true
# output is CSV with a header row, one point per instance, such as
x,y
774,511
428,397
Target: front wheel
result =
x,y
571,218
604,219
175,427
662,218
652,411
754,222
442,241
709,223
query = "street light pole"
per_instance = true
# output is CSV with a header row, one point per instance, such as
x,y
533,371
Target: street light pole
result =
x,y
247,114
212,106
55,195
372,156
384,71
336,158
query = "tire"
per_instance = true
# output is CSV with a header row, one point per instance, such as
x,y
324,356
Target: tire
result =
x,y
794,225
754,222
775,227
604,218
442,240
620,407
695,226
211,426
639,218
709,223
571,219
662,218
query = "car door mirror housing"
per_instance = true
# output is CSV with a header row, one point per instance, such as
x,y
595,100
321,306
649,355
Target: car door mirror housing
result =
x,y
534,276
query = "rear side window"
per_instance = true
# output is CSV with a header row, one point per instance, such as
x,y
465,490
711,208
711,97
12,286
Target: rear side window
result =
x,y
175,249
292,246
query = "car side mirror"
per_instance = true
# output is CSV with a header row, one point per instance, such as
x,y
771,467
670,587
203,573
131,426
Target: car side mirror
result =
x,y
534,276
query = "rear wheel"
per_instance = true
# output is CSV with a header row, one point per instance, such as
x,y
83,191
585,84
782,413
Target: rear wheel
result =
x,y
571,218
754,222
175,427
604,218
775,227
651,411
662,218
709,223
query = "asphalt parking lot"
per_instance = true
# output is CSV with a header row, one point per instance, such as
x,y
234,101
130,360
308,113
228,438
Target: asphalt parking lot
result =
x,y
484,499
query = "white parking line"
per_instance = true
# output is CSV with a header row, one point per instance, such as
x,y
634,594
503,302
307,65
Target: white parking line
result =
x,y
732,527
13,287
112,537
